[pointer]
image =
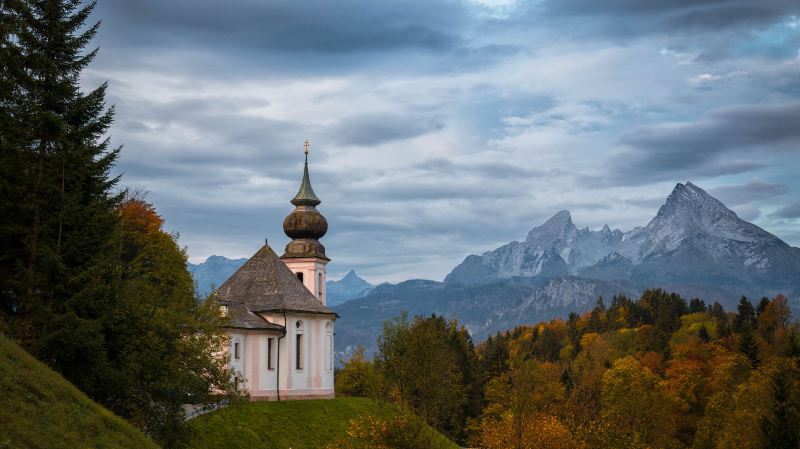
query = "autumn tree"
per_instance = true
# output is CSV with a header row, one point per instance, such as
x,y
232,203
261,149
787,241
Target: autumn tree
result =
x,y
518,400
635,413
429,365
357,377
166,342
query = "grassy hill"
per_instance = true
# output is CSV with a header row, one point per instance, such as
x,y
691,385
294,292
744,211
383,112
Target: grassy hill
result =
x,y
286,424
40,409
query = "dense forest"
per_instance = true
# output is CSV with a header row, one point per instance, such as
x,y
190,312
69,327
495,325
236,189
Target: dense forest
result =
x,y
657,372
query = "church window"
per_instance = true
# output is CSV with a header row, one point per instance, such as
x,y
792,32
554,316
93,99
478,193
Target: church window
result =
x,y
300,276
299,352
236,350
270,349
299,324
320,286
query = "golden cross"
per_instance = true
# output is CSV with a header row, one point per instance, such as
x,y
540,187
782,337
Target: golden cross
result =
x,y
305,146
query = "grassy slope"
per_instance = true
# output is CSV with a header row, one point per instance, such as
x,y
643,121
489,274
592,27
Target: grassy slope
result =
x,y
282,425
40,409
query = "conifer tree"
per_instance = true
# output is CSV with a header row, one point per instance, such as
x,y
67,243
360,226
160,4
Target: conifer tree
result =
x,y
59,222
745,315
748,344
780,426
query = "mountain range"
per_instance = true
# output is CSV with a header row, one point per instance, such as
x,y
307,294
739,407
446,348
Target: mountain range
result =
x,y
694,246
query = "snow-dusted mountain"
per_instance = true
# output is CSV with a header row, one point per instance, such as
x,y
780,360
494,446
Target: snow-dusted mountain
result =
x,y
693,239
694,246
349,287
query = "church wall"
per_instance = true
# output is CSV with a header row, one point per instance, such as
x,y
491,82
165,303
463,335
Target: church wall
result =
x,y
315,379
314,275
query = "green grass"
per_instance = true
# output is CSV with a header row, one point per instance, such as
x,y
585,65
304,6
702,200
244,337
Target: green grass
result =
x,y
41,409
308,424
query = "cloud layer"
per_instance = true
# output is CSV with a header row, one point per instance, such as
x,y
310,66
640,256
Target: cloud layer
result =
x,y
442,128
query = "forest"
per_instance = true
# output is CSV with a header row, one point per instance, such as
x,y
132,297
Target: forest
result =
x,y
655,372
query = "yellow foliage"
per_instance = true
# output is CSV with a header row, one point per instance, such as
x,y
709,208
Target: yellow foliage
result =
x,y
539,431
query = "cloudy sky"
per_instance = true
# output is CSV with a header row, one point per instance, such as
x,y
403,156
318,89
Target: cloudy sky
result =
x,y
446,128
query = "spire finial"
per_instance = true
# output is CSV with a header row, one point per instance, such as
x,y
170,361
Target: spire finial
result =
x,y
306,144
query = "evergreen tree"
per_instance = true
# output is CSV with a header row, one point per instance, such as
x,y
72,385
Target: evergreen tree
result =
x,y
58,269
574,333
697,305
762,306
780,427
748,344
745,315
493,356
597,319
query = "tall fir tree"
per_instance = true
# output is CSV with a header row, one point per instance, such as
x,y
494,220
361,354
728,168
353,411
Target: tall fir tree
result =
x,y
58,202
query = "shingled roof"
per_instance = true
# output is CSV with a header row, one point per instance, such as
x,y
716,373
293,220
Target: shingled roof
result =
x,y
265,284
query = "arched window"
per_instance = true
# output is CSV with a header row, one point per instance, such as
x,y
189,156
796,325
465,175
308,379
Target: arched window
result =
x,y
300,276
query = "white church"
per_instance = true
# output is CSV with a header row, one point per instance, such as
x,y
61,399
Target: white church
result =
x,y
281,332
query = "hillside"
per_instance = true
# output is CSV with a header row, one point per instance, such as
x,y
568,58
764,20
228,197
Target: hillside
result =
x,y
278,425
40,409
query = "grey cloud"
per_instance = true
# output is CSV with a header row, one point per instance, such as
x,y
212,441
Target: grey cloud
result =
x,y
314,26
789,211
721,143
376,128
633,17
488,169
734,195
731,128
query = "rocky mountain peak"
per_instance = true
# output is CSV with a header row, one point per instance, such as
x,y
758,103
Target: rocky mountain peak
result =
x,y
351,279
559,228
688,198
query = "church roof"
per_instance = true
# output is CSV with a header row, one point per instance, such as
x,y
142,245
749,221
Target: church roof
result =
x,y
241,318
265,284
306,196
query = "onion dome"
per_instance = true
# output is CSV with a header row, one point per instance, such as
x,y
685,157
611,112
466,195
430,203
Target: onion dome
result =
x,y
305,225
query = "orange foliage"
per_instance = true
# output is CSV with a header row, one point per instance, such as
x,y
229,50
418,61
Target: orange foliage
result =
x,y
139,216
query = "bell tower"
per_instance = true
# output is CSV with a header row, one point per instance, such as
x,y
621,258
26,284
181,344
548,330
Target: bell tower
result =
x,y
305,255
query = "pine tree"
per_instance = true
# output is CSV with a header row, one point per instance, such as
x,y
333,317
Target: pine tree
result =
x,y
745,315
762,306
748,344
597,319
59,221
697,305
780,427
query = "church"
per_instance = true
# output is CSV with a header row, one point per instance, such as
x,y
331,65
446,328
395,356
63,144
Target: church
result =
x,y
281,332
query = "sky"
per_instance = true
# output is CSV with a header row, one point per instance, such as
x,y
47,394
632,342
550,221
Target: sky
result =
x,y
440,129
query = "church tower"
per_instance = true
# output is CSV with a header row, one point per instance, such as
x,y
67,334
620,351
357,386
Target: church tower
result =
x,y
305,255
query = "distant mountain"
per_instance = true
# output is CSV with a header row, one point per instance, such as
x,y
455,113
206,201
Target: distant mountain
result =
x,y
213,272
693,239
217,269
349,287
694,246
